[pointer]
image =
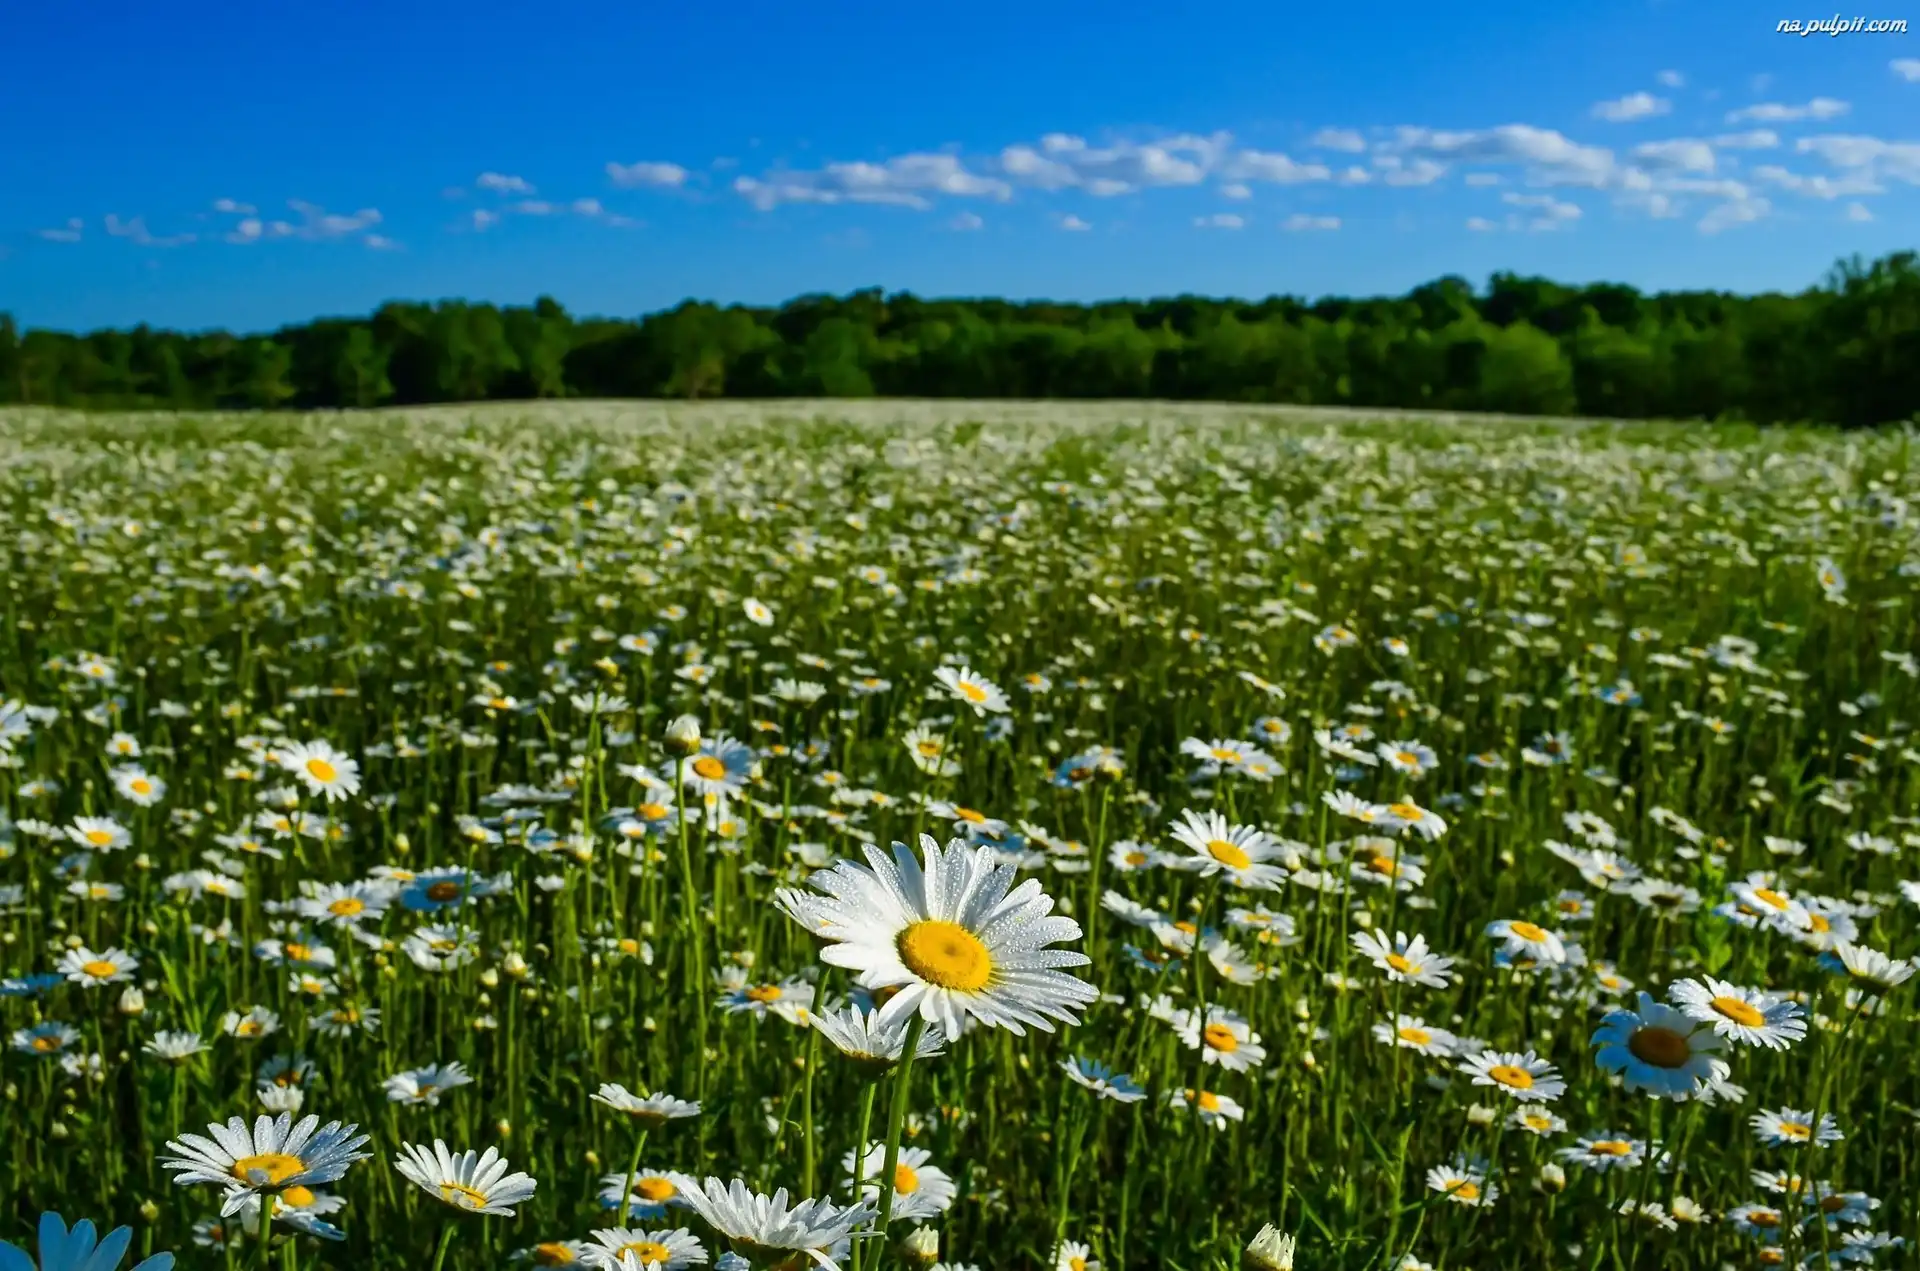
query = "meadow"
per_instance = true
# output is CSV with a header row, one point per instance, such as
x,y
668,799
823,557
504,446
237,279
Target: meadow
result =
x,y
1063,837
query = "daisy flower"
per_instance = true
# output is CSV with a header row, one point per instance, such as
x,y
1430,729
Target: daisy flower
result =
x,y
975,690
1742,1015
425,1085
1223,1038
758,614
1238,852
473,1182
324,770
954,936
1463,1184
1659,1049
1098,1078
721,767
272,1156
1788,1127
99,833
919,1189
1403,960
668,1250
863,1038
1525,1077
1412,1033
1074,1256
1605,1151
651,1111
1869,968
769,1225
1525,940
653,1193
1409,757
85,967
1214,1110
77,1250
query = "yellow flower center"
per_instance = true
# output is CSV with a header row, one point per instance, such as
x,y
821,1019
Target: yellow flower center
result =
x,y
1660,1047
764,993
99,838
1610,1147
1076,1264
707,768
443,891
1400,964
1136,858
1219,1037
1467,1190
1764,1218
655,1189
1224,755
1207,1100
1819,923
347,907
99,969
1767,896
972,692
905,1180
462,1197
648,1251
1383,865
296,1198
1795,1130
1228,854
1417,1036
552,1254
140,785
45,1044
652,811
946,954
1528,932
929,748
268,1167
1407,757
1738,1011
1508,1075
969,815
322,771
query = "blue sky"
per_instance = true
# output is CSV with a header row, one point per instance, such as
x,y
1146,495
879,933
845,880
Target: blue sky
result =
x,y
199,164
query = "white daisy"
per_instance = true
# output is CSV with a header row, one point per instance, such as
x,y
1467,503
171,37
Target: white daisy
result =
x,y
975,690
325,771
275,1154
954,936
1238,852
1659,1049
769,1224
1741,1015
473,1182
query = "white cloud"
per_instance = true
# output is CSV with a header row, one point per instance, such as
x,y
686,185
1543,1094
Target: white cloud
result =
x,y
233,208
1898,160
1480,224
1221,220
1818,187
906,181
381,243
483,218
135,230
1073,223
1339,139
535,207
1683,154
1300,222
1907,68
966,221
652,175
587,207
1858,212
68,233
1778,113
1065,161
247,231
1671,79
1631,107
500,183
1395,170
1549,213
1355,175
1736,212
1484,178
1548,156
1758,139
1236,190
1274,167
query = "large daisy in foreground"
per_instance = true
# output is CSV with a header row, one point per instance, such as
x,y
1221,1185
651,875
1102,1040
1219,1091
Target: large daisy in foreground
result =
x,y
953,935
1659,1049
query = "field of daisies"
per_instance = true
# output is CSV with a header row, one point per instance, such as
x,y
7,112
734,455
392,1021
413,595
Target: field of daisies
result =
x,y
1001,837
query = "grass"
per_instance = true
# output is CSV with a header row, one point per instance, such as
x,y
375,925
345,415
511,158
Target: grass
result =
x,y
1654,672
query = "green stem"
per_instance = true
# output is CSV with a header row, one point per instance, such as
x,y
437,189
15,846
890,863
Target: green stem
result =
x,y
446,1238
633,1168
896,1119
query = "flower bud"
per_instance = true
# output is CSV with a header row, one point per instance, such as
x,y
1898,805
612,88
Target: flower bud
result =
x,y
132,1001
1269,1250
683,736
920,1247
1552,1178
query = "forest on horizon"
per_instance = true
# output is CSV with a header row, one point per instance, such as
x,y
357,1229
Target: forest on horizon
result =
x,y
1846,351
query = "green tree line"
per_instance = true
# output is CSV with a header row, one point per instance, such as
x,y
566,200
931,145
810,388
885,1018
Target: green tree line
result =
x,y
1846,351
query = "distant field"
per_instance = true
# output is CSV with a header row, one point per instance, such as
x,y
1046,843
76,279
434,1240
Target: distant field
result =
x,y
1487,842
